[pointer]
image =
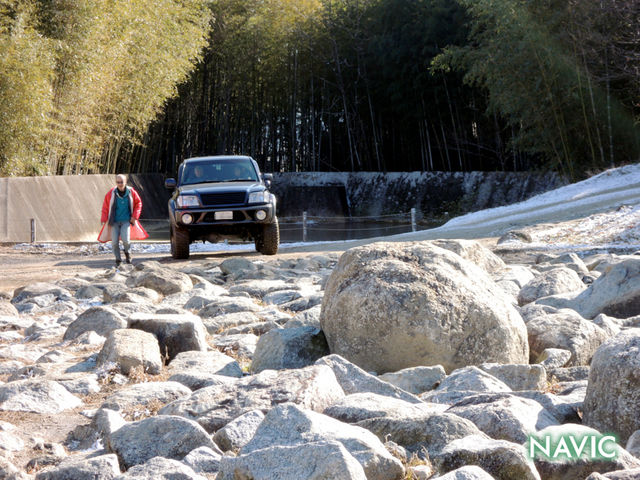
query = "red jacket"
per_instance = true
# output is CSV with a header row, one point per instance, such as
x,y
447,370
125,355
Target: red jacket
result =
x,y
135,204
108,208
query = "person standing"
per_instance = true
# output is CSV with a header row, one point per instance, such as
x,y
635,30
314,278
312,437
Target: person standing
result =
x,y
120,213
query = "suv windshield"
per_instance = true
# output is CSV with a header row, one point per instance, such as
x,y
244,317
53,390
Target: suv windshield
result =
x,y
211,171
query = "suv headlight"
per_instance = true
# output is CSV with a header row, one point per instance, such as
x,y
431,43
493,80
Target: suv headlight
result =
x,y
259,197
188,201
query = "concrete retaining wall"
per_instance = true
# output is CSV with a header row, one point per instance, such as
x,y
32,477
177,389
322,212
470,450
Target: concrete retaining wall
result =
x,y
67,208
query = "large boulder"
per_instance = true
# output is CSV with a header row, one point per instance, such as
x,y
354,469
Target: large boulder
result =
x,y
612,403
36,395
615,293
131,348
161,436
175,333
104,467
502,459
315,388
552,282
290,425
163,280
567,330
101,320
389,306
321,460
474,252
206,363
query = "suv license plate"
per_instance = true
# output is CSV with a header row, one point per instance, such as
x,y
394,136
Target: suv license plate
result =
x,y
223,215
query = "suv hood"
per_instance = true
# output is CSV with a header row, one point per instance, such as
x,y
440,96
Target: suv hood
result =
x,y
220,186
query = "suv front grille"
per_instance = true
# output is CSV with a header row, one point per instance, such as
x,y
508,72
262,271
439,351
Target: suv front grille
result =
x,y
223,198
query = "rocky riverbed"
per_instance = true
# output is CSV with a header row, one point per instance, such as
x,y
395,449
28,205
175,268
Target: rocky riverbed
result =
x,y
433,359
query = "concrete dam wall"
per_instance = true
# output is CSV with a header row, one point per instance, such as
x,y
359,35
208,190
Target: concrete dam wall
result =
x,y
67,208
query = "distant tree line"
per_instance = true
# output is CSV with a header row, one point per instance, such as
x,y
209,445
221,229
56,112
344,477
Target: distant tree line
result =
x,y
307,85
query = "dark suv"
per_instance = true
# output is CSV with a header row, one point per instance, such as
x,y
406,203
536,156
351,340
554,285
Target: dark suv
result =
x,y
222,198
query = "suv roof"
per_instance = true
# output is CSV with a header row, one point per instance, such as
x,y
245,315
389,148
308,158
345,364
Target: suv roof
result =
x,y
217,157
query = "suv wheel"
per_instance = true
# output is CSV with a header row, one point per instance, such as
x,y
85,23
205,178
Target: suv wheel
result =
x,y
179,243
268,240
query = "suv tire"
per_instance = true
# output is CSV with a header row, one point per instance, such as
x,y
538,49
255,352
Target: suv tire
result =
x,y
269,239
179,243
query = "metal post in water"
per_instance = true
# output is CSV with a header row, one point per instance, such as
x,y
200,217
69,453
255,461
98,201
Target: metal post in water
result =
x,y
33,230
413,220
304,226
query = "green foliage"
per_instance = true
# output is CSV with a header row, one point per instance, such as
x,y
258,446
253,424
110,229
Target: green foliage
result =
x,y
80,78
538,84
26,68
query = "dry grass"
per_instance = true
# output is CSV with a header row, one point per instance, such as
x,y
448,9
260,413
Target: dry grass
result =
x,y
552,386
415,461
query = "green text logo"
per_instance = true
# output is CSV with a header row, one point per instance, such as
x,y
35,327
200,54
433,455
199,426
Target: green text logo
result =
x,y
568,447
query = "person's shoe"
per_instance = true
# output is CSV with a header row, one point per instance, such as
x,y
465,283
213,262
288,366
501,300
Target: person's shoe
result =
x,y
118,262
127,255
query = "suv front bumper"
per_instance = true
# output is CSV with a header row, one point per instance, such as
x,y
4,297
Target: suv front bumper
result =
x,y
242,215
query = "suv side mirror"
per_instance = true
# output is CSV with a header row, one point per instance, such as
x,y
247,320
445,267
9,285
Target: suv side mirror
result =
x,y
170,183
267,177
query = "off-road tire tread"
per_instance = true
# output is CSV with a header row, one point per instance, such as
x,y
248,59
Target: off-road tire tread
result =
x,y
270,238
179,243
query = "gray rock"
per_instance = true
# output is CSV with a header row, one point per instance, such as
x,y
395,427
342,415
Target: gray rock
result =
x,y
507,418
389,306
569,374
563,407
103,467
37,396
363,406
551,358
572,261
242,345
204,460
474,252
552,282
213,407
221,323
633,444
84,385
112,290
306,318
212,363
471,472
260,288
175,333
630,474
224,305
130,348
303,303
259,328
281,296
615,293
9,471
235,266
103,424
613,393
578,469
290,425
416,380
88,292
515,236
310,461
610,325
143,394
40,289
101,320
165,281
237,433
472,379
161,436
7,309
534,310
518,377
353,379
138,295
8,441
431,432
567,330
289,348
195,380
501,459
159,468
